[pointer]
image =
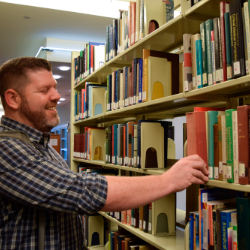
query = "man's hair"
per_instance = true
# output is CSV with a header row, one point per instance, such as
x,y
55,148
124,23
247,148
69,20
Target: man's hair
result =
x,y
13,73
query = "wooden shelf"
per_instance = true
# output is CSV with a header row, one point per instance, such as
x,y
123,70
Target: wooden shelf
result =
x,y
165,243
138,170
226,185
204,10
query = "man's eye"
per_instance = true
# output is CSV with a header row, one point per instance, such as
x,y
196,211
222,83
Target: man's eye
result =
x,y
44,90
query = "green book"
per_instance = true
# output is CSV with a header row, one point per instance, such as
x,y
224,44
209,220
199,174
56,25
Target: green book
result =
x,y
229,145
204,54
243,222
208,29
212,119
107,144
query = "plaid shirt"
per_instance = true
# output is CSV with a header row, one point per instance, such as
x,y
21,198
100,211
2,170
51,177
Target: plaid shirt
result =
x,y
33,178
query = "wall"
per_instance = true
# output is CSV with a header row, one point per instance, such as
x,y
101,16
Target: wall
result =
x,y
64,114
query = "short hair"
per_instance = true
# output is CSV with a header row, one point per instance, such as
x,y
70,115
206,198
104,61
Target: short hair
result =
x,y
13,73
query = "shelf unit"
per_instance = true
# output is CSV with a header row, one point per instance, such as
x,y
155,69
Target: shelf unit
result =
x,y
167,38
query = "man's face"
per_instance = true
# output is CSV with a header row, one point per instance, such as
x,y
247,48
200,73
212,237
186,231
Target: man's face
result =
x,y
39,100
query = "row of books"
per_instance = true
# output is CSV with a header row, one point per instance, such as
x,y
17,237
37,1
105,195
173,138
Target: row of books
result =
x,y
221,138
222,221
156,218
221,51
142,17
154,76
90,59
90,101
191,3
121,239
127,144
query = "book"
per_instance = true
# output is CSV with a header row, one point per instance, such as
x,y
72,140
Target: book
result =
x,y
169,10
235,147
223,5
198,50
229,147
225,227
208,29
173,58
246,33
238,58
243,143
204,54
243,219
228,46
188,84
216,152
220,148
196,134
194,38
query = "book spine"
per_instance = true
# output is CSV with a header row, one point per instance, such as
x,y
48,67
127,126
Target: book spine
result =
x,y
191,231
204,54
228,46
199,63
213,56
188,85
141,73
229,136
223,38
141,19
216,49
235,147
209,28
146,54
246,32
193,58
169,10
107,44
220,148
216,152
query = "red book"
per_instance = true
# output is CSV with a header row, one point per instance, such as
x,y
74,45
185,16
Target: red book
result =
x,y
208,109
243,114
196,134
92,59
223,38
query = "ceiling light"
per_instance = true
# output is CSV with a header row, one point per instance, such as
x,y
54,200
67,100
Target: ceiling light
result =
x,y
58,102
56,76
64,68
62,99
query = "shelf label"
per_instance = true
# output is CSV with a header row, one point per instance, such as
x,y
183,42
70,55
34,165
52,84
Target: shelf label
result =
x,y
236,68
241,169
220,167
144,225
229,172
229,72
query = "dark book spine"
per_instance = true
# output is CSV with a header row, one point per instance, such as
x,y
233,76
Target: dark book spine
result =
x,y
217,49
238,56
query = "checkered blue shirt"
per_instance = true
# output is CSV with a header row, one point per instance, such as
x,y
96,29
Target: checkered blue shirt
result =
x,y
33,178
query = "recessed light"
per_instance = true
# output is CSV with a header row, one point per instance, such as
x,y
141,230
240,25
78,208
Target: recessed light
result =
x,y
56,76
64,68
62,99
58,102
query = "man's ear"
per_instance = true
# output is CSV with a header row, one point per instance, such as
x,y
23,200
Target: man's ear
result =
x,y
12,98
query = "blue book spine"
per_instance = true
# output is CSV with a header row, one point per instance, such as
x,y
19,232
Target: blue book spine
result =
x,y
199,62
84,105
79,106
87,100
191,231
140,79
107,44
110,41
115,142
126,86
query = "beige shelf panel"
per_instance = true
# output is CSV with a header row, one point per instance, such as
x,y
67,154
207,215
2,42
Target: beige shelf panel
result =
x,y
165,243
204,10
138,170
232,186
96,248
166,38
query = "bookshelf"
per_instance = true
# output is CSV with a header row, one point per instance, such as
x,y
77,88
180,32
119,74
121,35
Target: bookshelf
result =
x,y
167,38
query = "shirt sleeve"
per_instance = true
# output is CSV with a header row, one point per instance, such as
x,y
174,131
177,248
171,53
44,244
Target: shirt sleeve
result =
x,y
35,180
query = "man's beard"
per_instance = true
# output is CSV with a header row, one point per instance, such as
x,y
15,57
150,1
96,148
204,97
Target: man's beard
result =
x,y
39,119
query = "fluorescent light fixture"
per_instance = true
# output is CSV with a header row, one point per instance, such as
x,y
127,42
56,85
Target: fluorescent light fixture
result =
x,y
58,102
51,49
106,8
56,76
62,99
64,68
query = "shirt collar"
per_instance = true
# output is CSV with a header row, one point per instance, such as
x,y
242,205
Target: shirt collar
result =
x,y
34,134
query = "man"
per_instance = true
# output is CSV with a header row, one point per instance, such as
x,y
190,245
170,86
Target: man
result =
x,y
35,178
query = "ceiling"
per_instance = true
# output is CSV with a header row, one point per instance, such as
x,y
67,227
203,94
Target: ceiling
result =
x,y
24,29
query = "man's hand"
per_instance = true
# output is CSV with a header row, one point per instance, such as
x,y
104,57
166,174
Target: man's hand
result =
x,y
187,171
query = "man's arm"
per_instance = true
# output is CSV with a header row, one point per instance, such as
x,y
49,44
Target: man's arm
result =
x,y
131,192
